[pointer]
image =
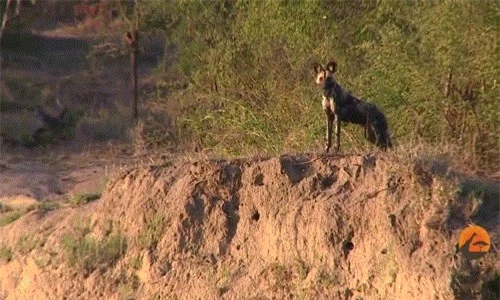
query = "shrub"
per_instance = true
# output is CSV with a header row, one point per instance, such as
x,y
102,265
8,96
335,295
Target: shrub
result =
x,y
251,86
9,217
88,253
83,198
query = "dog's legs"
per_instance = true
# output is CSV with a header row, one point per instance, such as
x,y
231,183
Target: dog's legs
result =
x,y
328,109
372,135
337,130
329,122
338,115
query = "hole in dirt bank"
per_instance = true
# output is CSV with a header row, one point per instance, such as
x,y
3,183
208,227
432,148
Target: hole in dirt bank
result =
x,y
392,220
347,247
258,179
347,244
323,182
348,293
211,259
326,182
255,216
223,290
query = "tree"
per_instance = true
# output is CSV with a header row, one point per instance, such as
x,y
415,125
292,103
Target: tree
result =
x,y
132,37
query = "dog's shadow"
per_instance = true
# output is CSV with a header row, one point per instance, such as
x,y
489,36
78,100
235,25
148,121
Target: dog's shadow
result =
x,y
296,168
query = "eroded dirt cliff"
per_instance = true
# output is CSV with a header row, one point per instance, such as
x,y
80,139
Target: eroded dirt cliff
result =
x,y
293,227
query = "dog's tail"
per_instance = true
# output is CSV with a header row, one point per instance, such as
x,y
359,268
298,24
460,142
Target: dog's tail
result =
x,y
377,129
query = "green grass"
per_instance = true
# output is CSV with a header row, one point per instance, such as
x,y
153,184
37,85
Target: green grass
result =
x,y
151,234
302,269
128,286
224,280
281,274
136,262
44,206
252,91
48,206
88,254
9,217
5,253
26,243
83,198
327,279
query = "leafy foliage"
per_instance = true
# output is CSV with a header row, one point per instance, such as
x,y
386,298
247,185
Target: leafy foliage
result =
x,y
251,88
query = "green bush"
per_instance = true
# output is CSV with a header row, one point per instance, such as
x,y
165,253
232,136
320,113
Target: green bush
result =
x,y
9,217
88,253
47,206
83,198
251,85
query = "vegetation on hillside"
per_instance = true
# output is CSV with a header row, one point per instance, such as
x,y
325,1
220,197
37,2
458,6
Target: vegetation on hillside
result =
x,y
241,72
248,65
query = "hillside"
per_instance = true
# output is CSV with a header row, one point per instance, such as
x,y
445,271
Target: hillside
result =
x,y
219,190
375,226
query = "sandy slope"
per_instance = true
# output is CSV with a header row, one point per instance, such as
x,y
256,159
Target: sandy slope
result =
x,y
298,227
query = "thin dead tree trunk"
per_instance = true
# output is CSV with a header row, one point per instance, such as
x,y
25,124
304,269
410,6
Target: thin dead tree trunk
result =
x,y
133,41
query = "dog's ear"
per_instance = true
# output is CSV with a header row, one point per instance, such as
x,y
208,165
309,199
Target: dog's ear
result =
x,y
331,67
318,68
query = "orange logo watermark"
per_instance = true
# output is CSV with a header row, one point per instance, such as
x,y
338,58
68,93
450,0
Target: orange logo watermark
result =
x,y
474,242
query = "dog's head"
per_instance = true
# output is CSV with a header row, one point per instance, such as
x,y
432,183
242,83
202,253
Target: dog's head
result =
x,y
322,73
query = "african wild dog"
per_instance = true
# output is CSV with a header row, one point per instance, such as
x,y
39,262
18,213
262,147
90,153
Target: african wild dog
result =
x,y
341,105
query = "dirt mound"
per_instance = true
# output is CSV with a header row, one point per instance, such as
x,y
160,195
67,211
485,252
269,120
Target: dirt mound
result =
x,y
336,227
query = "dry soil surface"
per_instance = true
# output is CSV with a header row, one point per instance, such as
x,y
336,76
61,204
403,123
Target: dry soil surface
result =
x,y
289,227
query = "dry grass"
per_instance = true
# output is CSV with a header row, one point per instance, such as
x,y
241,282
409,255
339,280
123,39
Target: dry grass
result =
x,y
83,198
9,217
6,253
88,253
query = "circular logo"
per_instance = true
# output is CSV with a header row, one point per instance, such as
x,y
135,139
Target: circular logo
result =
x,y
474,242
